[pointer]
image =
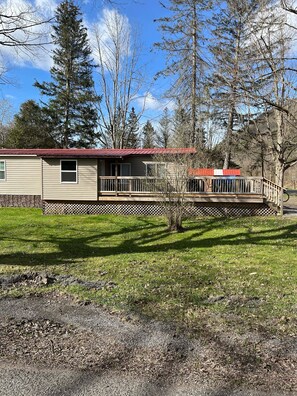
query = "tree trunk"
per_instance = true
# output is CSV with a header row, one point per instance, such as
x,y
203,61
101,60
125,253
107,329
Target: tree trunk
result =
x,y
229,137
194,79
175,223
233,100
279,160
279,173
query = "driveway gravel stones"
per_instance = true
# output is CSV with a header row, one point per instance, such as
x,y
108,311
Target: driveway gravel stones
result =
x,y
65,341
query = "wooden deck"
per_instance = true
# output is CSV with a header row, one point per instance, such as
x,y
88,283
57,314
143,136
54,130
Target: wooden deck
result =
x,y
197,189
207,196
203,198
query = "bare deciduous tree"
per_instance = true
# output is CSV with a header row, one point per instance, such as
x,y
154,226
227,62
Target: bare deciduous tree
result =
x,y
6,112
22,29
172,176
273,90
120,77
289,6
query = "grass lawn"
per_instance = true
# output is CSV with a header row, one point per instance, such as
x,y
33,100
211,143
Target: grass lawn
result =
x,y
229,273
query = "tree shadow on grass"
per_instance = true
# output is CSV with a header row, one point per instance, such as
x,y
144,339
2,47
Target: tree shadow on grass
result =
x,y
146,238
150,238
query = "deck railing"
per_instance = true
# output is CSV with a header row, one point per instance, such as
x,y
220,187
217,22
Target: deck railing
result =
x,y
201,185
272,192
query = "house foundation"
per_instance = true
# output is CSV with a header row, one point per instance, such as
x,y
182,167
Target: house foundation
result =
x,y
155,209
20,201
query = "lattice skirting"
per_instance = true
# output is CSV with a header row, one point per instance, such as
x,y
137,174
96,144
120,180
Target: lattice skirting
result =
x,y
153,209
20,201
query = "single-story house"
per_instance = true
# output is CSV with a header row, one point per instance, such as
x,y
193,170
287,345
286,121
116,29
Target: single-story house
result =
x,y
94,181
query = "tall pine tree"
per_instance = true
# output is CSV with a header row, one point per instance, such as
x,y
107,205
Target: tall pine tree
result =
x,y
233,58
148,135
181,125
183,40
72,96
164,130
131,131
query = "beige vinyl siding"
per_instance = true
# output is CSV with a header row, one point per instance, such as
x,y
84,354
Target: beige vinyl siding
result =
x,y
138,164
22,176
84,190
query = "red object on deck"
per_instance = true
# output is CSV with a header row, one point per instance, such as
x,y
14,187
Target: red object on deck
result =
x,y
201,172
231,172
213,172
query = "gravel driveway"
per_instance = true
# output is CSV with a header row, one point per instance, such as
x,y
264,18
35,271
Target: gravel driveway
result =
x,y
53,346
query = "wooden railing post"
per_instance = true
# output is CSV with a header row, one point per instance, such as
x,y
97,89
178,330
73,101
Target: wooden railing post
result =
x,y
274,194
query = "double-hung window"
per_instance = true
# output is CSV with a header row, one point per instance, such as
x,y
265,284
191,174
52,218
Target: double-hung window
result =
x,y
156,169
68,171
2,171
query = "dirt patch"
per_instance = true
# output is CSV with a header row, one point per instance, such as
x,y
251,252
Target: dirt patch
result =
x,y
56,331
235,300
37,279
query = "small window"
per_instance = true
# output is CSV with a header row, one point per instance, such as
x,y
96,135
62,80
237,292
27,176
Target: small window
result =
x,y
156,169
2,170
161,170
150,170
68,171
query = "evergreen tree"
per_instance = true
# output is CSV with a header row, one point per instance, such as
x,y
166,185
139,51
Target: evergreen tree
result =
x,y
181,125
183,40
233,58
5,120
164,132
132,129
148,135
72,98
31,128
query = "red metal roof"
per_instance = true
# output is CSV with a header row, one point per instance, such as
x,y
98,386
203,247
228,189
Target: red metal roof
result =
x,y
71,153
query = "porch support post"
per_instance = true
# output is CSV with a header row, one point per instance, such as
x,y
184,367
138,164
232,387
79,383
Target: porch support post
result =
x,y
116,177
98,179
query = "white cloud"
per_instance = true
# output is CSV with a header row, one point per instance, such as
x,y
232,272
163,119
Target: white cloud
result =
x,y
111,36
47,7
36,11
277,24
111,28
291,20
150,103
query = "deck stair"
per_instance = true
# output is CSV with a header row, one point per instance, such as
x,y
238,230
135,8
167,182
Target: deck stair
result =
x,y
273,194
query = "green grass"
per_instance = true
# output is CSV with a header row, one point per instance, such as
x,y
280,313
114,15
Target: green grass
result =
x,y
228,273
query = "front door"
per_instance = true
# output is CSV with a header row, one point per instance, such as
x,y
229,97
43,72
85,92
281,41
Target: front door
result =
x,y
121,170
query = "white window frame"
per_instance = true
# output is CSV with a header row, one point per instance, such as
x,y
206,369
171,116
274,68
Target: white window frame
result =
x,y
68,171
155,163
4,179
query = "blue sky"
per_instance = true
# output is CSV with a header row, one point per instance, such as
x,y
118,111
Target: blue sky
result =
x,y
23,71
